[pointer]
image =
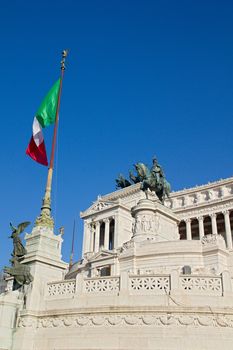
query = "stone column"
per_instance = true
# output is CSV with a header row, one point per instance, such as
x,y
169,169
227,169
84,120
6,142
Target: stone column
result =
x,y
188,229
97,236
214,224
201,227
228,229
106,234
92,230
116,231
86,238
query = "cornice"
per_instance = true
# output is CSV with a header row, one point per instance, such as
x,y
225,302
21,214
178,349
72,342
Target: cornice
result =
x,y
133,190
204,210
198,188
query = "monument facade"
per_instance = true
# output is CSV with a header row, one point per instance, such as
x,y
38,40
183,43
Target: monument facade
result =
x,y
153,275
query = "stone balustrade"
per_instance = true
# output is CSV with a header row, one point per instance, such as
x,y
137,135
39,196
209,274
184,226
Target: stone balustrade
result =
x,y
149,284
62,288
201,285
143,285
102,285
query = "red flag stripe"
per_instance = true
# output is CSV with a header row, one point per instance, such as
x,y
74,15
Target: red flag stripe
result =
x,y
37,153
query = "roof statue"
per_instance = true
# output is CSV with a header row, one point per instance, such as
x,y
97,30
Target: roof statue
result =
x,y
19,271
122,182
152,179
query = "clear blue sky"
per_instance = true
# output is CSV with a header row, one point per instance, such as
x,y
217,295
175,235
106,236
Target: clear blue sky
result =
x,y
143,78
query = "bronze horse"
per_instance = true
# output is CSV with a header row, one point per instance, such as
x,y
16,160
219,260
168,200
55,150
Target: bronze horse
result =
x,y
161,188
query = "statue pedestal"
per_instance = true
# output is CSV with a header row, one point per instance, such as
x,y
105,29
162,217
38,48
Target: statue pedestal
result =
x,y
44,258
154,221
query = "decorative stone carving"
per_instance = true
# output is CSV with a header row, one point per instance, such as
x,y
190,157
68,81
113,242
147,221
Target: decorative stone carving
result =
x,y
82,320
130,319
213,239
147,284
100,205
202,285
127,245
61,288
153,221
147,223
96,285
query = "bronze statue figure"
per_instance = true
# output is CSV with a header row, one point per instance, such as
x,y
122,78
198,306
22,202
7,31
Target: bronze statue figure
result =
x,y
121,182
19,249
152,179
19,271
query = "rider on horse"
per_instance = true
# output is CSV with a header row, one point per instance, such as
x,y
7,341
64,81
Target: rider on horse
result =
x,y
157,173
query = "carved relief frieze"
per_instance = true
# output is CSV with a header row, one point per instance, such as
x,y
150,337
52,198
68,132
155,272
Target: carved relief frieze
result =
x,y
206,210
212,239
127,245
100,205
168,319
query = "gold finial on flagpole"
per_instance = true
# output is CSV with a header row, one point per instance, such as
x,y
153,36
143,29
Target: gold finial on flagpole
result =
x,y
64,55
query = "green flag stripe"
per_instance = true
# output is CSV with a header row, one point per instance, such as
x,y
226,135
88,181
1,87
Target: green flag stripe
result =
x,y
47,111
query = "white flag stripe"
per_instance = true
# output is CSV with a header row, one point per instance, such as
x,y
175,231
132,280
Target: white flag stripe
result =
x,y
37,132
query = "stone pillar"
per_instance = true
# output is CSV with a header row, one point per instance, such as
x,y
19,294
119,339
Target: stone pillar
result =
x,y
188,229
86,238
228,229
174,279
214,224
97,236
91,237
79,284
154,221
116,231
106,234
124,286
226,283
201,227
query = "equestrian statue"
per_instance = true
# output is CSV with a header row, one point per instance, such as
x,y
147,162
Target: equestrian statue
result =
x,y
152,179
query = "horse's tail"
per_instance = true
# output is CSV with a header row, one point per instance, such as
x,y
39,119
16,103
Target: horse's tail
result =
x,y
167,188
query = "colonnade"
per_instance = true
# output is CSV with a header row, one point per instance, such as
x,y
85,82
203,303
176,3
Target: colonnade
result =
x,y
99,234
197,227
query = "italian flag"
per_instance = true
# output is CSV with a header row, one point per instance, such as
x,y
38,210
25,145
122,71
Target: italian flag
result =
x,y
44,117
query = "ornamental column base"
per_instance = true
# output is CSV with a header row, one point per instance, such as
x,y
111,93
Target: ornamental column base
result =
x,y
154,221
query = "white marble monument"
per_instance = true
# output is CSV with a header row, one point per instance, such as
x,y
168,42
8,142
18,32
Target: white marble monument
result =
x,y
151,277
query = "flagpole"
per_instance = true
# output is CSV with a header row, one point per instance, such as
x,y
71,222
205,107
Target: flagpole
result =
x,y
72,248
45,218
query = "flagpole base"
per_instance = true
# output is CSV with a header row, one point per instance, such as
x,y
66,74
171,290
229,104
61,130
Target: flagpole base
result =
x,y
45,219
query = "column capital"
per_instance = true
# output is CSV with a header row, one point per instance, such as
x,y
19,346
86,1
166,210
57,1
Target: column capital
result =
x,y
213,215
226,212
187,220
200,218
106,221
